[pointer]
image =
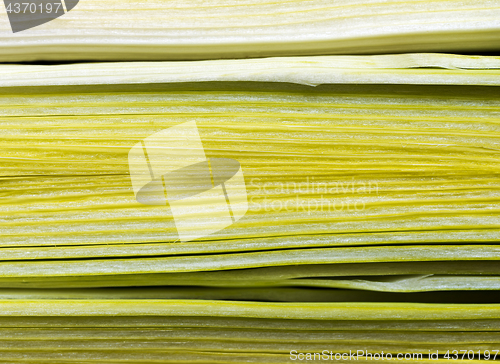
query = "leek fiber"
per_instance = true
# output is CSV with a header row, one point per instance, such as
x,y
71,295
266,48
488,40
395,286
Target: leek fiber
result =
x,y
214,29
373,192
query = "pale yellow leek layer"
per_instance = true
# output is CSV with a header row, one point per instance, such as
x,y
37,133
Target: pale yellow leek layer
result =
x,y
269,310
412,68
163,30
